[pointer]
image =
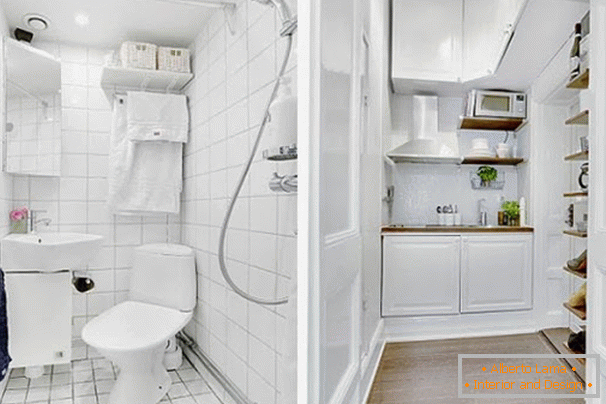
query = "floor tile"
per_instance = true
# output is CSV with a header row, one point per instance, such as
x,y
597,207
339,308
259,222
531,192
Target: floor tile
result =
x,y
89,381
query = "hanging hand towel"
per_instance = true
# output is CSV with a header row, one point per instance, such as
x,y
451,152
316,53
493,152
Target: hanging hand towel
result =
x,y
144,177
4,356
153,117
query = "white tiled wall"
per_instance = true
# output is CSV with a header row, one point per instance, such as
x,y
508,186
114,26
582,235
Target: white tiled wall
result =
x,y
75,201
233,79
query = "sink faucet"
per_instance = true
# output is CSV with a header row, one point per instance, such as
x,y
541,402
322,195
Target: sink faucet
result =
x,y
32,221
483,212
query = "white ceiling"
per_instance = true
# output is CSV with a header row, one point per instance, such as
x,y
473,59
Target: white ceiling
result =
x,y
112,21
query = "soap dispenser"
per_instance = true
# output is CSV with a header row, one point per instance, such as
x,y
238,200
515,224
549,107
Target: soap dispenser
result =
x,y
282,125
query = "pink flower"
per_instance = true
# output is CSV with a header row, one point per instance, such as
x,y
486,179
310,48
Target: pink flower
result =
x,y
19,214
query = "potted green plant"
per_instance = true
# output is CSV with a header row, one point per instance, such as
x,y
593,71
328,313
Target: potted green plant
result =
x,y
487,174
512,211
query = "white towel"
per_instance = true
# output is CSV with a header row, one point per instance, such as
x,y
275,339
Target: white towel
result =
x,y
153,117
144,177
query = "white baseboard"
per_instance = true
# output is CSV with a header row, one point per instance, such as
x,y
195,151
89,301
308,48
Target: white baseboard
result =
x,y
460,326
372,359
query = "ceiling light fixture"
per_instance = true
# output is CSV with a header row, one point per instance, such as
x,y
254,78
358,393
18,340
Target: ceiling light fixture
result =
x,y
81,19
36,22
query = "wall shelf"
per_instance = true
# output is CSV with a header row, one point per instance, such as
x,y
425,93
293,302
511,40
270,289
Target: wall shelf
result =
x,y
580,312
582,118
575,233
472,122
578,274
510,161
144,79
575,194
580,156
581,82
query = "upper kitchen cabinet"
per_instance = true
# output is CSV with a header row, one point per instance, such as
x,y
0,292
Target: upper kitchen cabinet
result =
x,y
487,30
426,40
447,42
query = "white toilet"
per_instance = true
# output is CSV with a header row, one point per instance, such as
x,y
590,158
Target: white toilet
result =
x,y
134,334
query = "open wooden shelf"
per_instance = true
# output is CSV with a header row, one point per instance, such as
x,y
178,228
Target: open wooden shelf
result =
x,y
575,233
472,122
580,156
509,161
580,312
579,274
582,118
581,82
575,194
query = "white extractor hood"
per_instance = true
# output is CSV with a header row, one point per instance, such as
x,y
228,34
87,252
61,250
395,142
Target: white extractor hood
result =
x,y
426,145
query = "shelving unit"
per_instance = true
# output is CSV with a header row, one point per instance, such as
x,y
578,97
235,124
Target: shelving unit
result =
x,y
144,79
582,118
579,156
471,122
581,82
575,233
581,313
575,194
510,161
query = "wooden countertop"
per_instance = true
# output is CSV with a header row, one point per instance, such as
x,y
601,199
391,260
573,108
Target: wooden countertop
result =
x,y
455,229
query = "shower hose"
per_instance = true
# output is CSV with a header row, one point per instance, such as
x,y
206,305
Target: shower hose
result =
x,y
234,198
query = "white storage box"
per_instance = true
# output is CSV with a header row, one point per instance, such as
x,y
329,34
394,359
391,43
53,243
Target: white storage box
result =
x,y
138,55
173,59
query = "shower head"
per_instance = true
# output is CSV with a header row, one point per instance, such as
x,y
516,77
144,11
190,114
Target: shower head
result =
x,y
289,24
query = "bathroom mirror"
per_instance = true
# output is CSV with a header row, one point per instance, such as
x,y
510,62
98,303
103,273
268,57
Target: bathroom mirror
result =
x,y
32,130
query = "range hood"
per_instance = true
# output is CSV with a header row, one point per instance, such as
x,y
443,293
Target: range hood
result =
x,y
426,145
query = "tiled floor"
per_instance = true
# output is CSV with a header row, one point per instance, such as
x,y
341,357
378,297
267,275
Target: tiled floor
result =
x,y
90,381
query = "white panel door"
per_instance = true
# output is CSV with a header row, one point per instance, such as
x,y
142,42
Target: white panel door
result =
x,y
420,275
426,39
496,273
333,199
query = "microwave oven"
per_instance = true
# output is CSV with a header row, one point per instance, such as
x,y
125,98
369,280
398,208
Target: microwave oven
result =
x,y
496,104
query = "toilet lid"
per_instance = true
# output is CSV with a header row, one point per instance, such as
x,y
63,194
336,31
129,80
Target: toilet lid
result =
x,y
133,326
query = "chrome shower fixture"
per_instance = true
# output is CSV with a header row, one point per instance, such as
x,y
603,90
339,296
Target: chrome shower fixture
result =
x,y
289,23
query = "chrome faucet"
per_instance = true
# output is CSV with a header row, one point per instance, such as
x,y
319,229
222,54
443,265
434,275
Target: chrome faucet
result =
x,y
32,221
483,213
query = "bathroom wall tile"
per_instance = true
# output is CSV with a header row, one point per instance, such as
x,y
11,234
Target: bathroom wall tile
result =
x,y
97,99
98,165
73,54
99,302
72,212
73,142
73,73
74,96
94,75
97,189
74,119
99,121
128,234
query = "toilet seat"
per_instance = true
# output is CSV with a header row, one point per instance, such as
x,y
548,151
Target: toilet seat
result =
x,y
134,326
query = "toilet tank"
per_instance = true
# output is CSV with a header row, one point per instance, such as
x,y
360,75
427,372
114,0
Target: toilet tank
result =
x,y
164,274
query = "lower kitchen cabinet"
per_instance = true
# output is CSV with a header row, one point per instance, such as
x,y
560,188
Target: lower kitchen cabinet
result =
x,y
496,273
420,275
452,274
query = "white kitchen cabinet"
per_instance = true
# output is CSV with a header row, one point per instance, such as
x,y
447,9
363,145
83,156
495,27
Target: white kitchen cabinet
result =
x,y
427,40
420,275
496,273
450,41
487,30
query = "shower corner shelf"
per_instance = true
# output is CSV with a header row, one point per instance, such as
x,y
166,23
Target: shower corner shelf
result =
x,y
144,79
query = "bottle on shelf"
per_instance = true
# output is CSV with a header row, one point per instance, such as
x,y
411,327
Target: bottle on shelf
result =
x,y
575,60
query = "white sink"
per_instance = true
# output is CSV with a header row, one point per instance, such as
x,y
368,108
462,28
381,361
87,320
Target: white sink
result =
x,y
48,251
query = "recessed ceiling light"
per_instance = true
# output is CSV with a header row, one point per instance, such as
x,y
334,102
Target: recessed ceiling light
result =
x,y
36,21
81,19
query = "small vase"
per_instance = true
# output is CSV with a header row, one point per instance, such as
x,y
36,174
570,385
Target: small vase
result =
x,y
19,226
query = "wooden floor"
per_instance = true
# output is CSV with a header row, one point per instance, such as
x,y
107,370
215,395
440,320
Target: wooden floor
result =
x,y
426,371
